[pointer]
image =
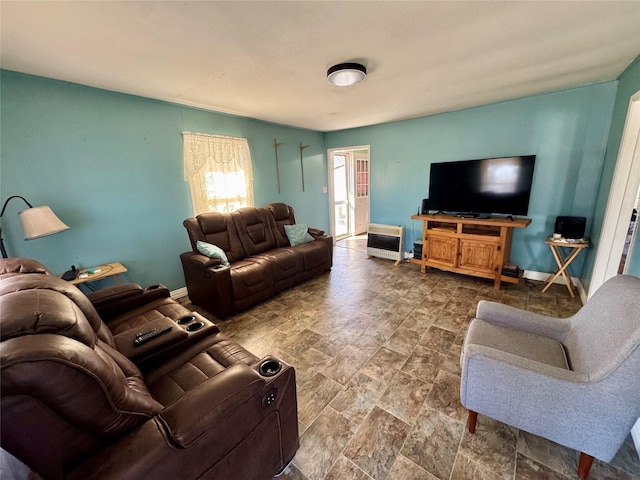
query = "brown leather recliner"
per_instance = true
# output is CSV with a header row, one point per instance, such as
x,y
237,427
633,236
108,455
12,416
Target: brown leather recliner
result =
x,y
262,260
73,406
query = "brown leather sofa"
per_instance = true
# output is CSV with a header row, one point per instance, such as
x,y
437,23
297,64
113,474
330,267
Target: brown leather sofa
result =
x,y
74,406
262,260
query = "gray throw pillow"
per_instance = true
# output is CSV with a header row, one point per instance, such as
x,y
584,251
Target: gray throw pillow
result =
x,y
298,234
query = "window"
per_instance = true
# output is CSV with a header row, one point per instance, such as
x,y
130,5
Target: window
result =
x,y
219,172
362,178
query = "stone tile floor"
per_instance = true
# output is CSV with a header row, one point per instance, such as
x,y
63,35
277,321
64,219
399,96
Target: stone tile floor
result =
x,y
376,350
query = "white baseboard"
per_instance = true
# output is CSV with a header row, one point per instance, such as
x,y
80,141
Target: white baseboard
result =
x,y
530,274
179,293
542,277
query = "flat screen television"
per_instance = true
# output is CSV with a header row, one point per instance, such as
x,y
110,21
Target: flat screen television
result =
x,y
482,187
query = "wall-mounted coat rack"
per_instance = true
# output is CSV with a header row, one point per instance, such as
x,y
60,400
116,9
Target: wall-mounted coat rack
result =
x,y
302,147
275,147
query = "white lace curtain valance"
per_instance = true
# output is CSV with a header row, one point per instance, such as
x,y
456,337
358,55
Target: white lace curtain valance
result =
x,y
219,171
213,152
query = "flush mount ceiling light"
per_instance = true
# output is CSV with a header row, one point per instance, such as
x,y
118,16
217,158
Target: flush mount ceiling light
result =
x,y
346,74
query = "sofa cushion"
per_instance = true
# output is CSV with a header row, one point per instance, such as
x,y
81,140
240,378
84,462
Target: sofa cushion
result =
x,y
298,234
287,266
251,276
316,255
254,230
195,365
281,215
212,251
217,229
38,311
20,283
533,347
12,266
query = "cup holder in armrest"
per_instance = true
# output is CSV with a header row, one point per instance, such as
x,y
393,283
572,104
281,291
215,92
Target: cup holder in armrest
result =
x,y
194,326
153,287
269,368
186,319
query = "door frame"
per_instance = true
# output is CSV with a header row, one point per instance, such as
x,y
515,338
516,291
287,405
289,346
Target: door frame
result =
x,y
622,194
332,207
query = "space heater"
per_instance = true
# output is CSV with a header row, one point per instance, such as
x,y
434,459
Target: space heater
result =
x,y
386,241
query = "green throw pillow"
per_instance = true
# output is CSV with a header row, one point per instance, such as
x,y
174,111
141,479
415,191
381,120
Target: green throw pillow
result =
x,y
212,251
298,234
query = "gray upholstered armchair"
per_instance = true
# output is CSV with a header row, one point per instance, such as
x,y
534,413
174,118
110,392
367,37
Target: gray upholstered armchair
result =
x,y
574,381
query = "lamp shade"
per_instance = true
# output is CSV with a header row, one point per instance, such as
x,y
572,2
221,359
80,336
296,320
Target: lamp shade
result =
x,y
346,74
39,222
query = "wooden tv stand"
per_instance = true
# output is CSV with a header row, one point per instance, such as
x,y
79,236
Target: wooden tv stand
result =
x,y
471,246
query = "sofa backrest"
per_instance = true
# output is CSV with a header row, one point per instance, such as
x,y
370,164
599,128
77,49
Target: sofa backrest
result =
x,y
606,330
65,393
281,214
247,231
255,229
19,266
24,282
217,229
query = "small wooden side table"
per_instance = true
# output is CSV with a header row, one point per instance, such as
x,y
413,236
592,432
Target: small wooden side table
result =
x,y
562,261
99,272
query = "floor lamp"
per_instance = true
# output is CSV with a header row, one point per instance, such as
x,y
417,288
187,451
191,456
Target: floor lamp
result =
x,y
36,222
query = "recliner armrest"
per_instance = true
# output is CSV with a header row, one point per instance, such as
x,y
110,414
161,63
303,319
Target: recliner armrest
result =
x,y
201,408
316,232
201,260
124,341
113,301
208,283
114,293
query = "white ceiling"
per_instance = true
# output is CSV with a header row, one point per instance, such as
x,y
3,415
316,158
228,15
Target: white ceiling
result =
x,y
268,60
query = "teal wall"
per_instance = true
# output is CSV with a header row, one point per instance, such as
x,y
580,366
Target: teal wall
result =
x,y
566,130
110,166
629,84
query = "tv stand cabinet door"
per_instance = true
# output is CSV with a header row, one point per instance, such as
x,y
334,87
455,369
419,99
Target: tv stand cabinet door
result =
x,y
442,251
477,256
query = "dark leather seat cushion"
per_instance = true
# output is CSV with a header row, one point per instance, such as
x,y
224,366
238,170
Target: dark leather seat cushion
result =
x,y
195,365
287,266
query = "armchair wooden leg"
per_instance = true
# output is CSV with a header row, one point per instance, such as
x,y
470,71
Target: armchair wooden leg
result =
x,y
473,418
584,465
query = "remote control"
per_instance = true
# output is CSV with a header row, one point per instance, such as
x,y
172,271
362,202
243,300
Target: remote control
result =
x,y
146,336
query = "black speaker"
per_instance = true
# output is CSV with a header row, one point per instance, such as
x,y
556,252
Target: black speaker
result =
x,y
425,206
570,227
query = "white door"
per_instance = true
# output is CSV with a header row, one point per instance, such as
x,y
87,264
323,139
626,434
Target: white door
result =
x,y
349,190
361,203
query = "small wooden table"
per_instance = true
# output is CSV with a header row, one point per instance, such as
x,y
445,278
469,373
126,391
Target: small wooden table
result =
x,y
562,261
99,272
